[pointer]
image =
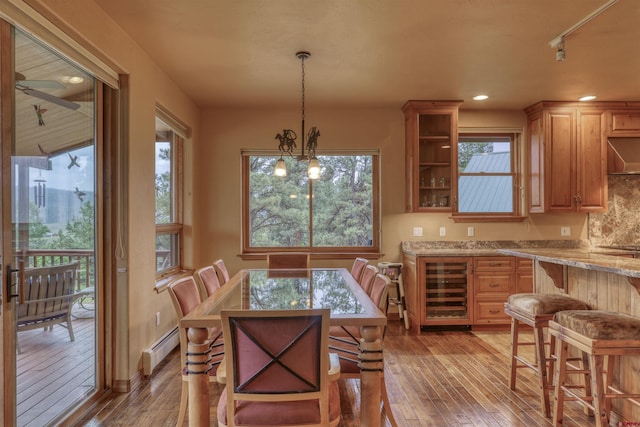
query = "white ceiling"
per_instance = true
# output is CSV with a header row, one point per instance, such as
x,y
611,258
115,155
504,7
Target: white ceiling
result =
x,y
380,53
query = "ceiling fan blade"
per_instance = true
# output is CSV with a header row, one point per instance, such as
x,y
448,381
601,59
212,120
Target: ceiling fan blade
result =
x,y
50,98
43,84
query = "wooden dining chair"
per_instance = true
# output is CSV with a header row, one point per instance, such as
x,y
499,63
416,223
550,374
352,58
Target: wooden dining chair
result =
x,y
368,276
288,260
358,267
221,270
207,281
345,341
185,296
278,369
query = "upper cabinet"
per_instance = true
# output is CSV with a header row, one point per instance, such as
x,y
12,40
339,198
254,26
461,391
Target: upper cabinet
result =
x,y
566,143
431,134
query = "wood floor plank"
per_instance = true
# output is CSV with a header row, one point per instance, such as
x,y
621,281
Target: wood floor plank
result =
x,y
443,378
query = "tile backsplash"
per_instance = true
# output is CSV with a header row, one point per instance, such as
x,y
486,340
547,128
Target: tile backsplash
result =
x,y
621,223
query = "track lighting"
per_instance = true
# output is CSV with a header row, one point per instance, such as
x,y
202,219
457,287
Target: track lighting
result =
x,y
560,54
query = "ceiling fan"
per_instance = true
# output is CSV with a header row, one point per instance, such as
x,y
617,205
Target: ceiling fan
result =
x,y
27,87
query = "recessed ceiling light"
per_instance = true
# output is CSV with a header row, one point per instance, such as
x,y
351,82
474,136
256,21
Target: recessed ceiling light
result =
x,y
73,79
480,97
588,98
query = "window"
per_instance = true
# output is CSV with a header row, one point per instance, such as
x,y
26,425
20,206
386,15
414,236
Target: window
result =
x,y
338,213
487,175
168,155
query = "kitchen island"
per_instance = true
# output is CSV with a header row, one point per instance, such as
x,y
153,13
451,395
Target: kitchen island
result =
x,y
605,282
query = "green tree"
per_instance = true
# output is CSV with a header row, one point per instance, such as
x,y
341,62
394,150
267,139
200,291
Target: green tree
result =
x,y
38,231
466,151
79,233
163,190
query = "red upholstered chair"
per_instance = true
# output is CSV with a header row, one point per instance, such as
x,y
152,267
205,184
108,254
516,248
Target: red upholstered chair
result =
x,y
223,273
358,267
287,260
344,340
278,369
367,278
185,296
207,281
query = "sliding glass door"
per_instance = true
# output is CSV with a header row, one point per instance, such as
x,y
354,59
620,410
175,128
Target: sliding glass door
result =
x,y
50,197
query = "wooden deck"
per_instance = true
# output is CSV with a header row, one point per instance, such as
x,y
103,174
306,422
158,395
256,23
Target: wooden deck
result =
x,y
434,379
52,372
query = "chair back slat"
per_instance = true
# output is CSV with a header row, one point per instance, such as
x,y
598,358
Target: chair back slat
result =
x,y
358,267
207,281
287,260
221,270
368,275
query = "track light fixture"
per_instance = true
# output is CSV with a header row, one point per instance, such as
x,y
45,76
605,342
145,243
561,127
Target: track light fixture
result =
x,y
560,51
558,41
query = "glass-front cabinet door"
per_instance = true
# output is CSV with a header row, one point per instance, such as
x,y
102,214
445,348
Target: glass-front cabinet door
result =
x,y
49,224
431,136
446,297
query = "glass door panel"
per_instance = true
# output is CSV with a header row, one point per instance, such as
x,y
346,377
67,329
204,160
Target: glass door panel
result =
x,y
53,234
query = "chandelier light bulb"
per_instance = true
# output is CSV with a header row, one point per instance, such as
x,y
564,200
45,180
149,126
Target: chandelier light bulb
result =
x,y
281,168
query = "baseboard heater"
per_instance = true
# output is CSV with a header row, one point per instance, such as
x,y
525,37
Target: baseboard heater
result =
x,y
152,356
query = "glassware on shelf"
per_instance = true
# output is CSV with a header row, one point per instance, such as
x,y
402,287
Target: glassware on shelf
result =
x,y
433,181
443,182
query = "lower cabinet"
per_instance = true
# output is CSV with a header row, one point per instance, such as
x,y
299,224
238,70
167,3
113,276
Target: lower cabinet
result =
x,y
441,291
493,282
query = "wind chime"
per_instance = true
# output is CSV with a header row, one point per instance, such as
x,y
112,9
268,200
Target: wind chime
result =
x,y
39,191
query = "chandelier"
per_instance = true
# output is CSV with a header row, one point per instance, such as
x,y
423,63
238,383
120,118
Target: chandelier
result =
x,y
288,139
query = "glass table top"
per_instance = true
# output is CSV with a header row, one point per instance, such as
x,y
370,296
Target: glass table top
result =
x,y
281,290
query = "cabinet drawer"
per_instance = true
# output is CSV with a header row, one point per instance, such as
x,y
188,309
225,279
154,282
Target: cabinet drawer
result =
x,y
490,312
624,122
494,283
494,263
524,264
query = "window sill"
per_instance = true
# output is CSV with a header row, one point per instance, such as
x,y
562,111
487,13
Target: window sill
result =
x,y
162,283
320,255
487,218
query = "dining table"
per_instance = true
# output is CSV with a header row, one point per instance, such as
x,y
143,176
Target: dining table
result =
x,y
283,289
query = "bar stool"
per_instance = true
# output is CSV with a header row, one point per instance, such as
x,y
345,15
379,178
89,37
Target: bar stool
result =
x,y
603,336
536,310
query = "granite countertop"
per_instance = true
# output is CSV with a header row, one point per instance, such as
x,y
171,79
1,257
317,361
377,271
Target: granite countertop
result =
x,y
481,247
590,259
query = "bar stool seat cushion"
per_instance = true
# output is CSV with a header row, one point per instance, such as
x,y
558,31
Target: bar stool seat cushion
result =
x,y
540,304
600,324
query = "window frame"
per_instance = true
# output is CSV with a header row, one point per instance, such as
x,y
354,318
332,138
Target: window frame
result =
x,y
174,228
336,252
515,215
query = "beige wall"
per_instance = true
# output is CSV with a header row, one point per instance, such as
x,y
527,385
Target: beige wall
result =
x,y
213,176
136,300
217,177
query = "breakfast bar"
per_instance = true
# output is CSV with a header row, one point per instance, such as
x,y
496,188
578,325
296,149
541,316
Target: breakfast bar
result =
x,y
604,280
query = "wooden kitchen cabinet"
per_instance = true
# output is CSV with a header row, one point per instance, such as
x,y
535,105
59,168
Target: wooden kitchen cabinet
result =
x,y
524,276
567,150
450,291
431,134
623,119
493,282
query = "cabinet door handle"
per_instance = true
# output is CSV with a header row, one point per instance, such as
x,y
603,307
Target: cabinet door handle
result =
x,y
494,311
494,285
495,264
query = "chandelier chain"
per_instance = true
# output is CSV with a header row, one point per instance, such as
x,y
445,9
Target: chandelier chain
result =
x,y
302,59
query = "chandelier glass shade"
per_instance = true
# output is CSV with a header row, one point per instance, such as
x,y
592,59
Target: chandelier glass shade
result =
x,y
288,139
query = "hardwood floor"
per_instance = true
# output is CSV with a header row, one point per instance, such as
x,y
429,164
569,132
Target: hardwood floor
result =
x,y
443,378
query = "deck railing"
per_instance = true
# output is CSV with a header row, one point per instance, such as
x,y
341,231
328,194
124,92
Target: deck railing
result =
x,y
85,259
